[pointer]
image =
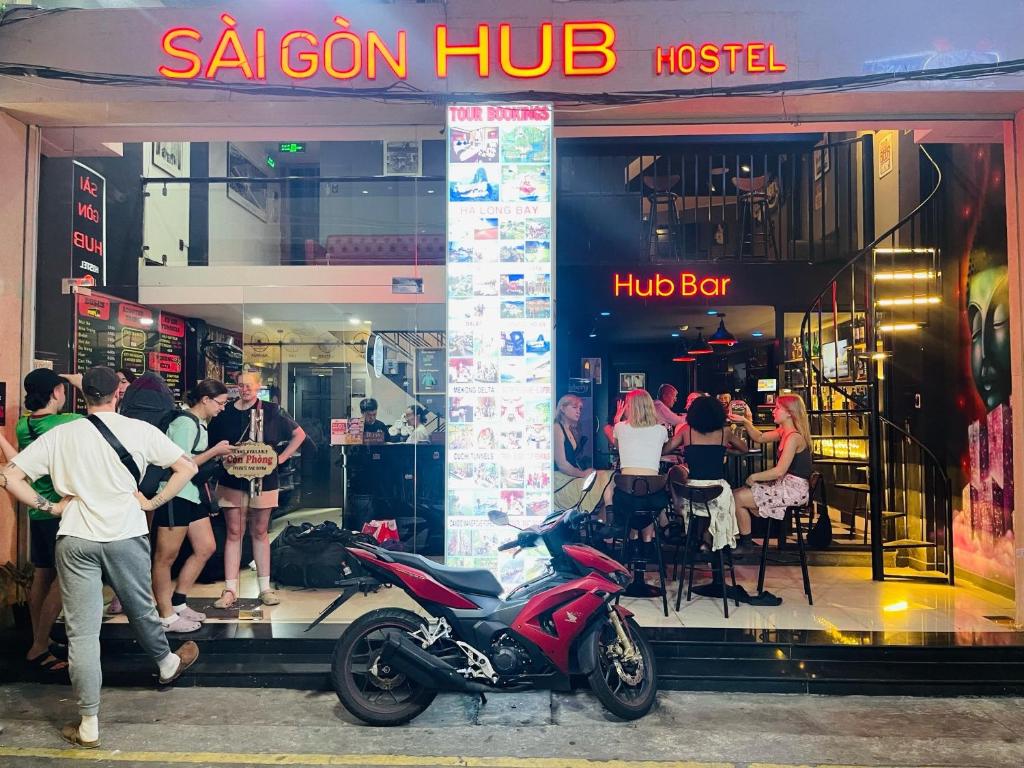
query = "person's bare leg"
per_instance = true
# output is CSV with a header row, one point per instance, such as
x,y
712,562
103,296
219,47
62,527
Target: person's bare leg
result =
x,y
200,537
259,526
234,520
745,505
44,604
168,544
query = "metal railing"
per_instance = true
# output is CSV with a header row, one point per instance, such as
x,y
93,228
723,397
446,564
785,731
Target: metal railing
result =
x,y
887,287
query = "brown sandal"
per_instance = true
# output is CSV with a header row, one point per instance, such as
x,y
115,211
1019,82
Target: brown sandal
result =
x,y
70,734
224,602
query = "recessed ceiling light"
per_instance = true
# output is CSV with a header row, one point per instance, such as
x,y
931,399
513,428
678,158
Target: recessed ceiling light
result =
x,y
712,311
675,334
757,334
256,320
430,191
354,320
606,313
684,327
366,191
745,168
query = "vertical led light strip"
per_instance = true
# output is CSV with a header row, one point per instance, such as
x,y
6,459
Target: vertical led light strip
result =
x,y
500,259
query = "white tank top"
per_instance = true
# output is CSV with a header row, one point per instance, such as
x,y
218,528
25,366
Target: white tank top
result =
x,y
640,447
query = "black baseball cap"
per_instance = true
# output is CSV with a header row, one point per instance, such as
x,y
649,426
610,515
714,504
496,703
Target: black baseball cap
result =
x,y
42,382
100,382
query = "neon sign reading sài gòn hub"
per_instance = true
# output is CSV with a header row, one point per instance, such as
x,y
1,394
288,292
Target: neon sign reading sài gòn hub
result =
x,y
688,285
586,49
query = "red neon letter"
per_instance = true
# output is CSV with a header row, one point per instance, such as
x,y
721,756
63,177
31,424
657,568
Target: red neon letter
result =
x,y
662,57
687,284
376,47
481,50
603,48
195,63
663,286
311,58
626,285
732,49
772,66
754,51
709,61
546,52
229,39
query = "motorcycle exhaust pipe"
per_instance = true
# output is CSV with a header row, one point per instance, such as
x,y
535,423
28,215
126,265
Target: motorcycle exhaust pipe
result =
x,y
424,668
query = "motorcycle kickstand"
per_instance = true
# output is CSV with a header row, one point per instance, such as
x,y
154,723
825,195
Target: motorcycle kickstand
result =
x,y
483,699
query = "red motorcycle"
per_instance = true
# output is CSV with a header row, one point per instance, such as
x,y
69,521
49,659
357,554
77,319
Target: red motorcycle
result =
x,y
390,663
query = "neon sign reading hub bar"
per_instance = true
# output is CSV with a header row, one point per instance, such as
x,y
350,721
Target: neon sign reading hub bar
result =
x,y
688,285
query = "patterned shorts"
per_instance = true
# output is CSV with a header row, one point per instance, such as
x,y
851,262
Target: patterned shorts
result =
x,y
774,496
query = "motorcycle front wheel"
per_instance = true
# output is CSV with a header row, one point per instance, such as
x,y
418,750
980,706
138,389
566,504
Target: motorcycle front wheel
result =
x,y
627,689
381,695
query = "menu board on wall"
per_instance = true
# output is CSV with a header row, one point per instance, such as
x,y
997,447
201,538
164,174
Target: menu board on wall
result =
x,y
500,258
121,334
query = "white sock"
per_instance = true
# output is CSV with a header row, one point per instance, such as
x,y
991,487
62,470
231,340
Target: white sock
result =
x,y
168,620
169,665
179,608
264,582
89,728
231,585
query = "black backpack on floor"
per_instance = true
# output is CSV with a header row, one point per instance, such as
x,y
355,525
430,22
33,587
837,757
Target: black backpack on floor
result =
x,y
310,555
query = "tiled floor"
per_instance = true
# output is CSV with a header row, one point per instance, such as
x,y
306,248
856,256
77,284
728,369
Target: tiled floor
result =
x,y
845,600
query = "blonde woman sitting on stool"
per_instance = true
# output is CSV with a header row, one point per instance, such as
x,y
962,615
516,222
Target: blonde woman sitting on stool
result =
x,y
569,475
786,484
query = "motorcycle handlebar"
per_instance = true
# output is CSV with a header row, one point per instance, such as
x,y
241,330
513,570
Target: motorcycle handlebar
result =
x,y
508,545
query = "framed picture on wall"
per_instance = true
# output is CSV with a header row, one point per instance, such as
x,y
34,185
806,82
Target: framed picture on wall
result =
x,y
630,381
403,158
253,196
169,156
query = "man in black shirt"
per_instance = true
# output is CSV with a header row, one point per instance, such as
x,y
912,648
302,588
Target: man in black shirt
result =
x,y
368,408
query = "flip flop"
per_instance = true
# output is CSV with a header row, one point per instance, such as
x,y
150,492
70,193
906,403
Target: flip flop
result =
x,y
765,598
60,650
47,662
70,734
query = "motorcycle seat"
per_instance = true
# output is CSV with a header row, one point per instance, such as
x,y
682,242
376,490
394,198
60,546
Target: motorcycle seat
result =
x,y
475,581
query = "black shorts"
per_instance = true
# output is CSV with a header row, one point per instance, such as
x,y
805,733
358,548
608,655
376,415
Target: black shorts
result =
x,y
640,510
42,542
178,512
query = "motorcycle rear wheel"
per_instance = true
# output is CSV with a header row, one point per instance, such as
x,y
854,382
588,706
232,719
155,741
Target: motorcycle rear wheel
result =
x,y
387,697
619,696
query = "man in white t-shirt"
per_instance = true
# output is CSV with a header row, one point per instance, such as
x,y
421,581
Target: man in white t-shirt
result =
x,y
667,396
103,532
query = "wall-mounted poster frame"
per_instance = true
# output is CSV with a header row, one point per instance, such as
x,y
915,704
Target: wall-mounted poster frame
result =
x,y
252,196
500,258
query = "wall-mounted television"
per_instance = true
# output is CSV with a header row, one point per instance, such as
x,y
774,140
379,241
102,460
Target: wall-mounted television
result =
x,y
767,385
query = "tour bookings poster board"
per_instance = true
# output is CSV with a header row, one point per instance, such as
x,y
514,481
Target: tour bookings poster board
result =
x,y
121,334
499,259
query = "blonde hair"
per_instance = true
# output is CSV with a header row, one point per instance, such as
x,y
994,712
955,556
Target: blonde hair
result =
x,y
794,405
640,409
564,402
254,374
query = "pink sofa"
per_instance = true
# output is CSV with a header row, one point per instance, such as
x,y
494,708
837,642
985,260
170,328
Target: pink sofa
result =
x,y
377,249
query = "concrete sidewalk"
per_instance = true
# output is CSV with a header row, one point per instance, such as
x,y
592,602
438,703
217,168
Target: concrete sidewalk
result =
x,y
230,726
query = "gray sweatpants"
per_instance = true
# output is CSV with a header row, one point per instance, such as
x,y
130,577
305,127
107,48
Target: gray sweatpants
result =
x,y
82,566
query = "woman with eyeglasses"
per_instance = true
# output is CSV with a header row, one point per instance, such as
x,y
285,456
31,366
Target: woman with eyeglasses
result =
x,y
185,514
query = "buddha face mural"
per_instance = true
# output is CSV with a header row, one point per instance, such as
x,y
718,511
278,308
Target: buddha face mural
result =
x,y
988,316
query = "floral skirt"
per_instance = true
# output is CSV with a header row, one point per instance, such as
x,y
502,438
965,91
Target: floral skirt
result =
x,y
774,496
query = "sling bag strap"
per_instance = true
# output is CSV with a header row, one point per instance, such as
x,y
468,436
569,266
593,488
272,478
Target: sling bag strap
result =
x,y
120,450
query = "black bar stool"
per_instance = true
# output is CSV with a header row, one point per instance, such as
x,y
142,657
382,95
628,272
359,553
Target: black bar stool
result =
x,y
640,487
795,514
694,494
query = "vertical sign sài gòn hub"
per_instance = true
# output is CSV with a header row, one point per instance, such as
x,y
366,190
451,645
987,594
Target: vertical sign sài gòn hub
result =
x,y
500,259
88,224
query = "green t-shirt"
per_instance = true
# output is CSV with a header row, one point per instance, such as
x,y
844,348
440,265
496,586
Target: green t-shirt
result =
x,y
185,433
40,425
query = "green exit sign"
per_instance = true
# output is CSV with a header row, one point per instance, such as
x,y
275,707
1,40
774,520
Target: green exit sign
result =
x,y
292,148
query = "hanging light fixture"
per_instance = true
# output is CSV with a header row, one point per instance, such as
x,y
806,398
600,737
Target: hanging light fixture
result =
x,y
683,355
722,336
700,346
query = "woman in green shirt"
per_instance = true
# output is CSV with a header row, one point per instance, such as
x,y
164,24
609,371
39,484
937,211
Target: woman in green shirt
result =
x,y
44,398
184,514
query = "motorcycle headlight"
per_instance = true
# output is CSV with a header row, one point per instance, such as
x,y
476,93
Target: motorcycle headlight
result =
x,y
620,578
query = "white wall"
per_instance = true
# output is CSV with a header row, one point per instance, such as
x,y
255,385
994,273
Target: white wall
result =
x,y
165,219
237,236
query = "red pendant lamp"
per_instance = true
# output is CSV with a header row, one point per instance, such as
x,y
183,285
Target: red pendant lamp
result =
x,y
700,345
722,337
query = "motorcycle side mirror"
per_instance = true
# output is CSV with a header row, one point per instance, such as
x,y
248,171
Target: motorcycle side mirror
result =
x,y
588,481
497,517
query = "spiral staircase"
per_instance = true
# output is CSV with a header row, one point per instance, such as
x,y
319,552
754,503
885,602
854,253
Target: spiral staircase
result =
x,y
889,288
